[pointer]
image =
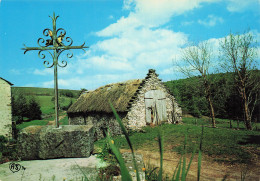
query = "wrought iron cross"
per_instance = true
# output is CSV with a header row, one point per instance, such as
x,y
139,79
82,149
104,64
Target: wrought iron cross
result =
x,y
56,44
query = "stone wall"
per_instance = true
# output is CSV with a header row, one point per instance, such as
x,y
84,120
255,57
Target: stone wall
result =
x,y
101,121
5,109
136,116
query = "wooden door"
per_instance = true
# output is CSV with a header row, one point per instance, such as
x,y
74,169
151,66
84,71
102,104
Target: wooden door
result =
x,y
155,106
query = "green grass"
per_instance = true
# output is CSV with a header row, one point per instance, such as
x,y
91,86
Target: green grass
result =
x,y
47,105
64,121
221,123
30,123
38,91
227,145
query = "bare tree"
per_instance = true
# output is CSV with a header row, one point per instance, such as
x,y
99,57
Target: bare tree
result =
x,y
239,53
198,62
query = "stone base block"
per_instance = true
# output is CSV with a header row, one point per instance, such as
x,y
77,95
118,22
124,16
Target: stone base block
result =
x,y
47,142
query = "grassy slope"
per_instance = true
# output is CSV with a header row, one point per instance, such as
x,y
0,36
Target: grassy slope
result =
x,y
223,144
44,96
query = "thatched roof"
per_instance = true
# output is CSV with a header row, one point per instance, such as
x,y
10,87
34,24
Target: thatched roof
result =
x,y
119,94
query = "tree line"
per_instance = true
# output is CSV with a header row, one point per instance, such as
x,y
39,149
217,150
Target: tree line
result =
x,y
225,97
235,95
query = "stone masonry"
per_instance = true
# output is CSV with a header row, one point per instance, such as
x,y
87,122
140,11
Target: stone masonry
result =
x,y
5,108
136,115
101,122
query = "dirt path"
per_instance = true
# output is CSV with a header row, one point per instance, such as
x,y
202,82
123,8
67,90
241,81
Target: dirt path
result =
x,y
210,170
60,118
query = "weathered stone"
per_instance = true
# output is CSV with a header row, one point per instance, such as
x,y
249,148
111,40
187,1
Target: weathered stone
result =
x,y
28,143
46,142
5,108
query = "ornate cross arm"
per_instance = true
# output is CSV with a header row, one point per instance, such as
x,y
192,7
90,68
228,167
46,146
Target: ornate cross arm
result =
x,y
26,49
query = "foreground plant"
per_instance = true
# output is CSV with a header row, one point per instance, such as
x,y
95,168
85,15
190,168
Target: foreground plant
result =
x,y
180,172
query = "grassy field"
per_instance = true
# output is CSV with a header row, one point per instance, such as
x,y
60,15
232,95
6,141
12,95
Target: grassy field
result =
x,y
44,96
47,105
225,145
62,115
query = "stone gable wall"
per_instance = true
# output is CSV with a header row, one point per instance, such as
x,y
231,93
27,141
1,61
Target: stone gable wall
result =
x,y
136,116
5,109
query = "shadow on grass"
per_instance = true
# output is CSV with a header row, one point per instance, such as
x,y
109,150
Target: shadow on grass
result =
x,y
251,139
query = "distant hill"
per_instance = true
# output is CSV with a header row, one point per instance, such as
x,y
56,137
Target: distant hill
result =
x,y
37,91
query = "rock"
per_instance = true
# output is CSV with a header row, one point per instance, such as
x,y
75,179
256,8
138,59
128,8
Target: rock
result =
x,y
46,142
128,158
28,141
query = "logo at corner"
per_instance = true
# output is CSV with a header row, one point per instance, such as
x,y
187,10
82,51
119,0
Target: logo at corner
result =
x,y
15,167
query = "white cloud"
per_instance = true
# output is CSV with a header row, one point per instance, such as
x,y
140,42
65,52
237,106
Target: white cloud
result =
x,y
134,44
89,81
149,13
157,12
14,71
241,5
211,21
111,17
122,25
187,23
136,49
46,71
49,71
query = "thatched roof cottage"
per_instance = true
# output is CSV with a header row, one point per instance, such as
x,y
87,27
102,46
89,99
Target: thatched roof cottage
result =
x,y
138,102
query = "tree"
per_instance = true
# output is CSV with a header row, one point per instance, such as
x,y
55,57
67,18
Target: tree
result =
x,y
197,60
34,112
67,93
239,53
82,91
19,107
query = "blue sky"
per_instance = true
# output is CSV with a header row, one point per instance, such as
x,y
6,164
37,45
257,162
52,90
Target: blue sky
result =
x,y
125,38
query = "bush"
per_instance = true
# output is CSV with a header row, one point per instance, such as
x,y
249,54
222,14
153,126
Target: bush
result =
x,y
25,108
7,150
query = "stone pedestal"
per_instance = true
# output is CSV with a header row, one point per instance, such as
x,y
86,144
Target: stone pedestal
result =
x,y
48,142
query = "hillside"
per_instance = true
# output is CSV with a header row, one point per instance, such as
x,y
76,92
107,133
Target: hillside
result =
x,y
36,91
226,99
